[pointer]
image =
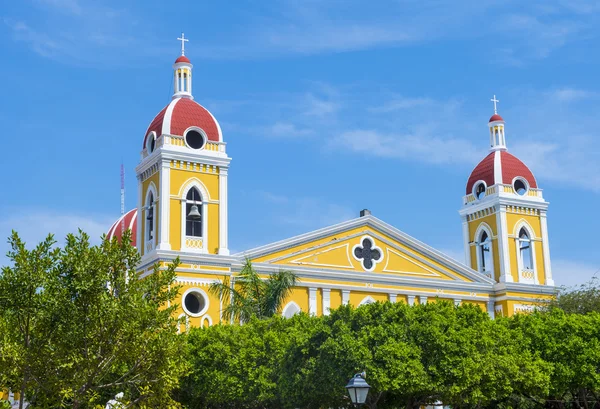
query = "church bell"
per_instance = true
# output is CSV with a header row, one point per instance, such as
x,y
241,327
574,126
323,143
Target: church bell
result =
x,y
194,213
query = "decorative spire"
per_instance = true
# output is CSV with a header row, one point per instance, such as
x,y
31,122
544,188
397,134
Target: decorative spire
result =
x,y
496,124
182,75
183,41
494,100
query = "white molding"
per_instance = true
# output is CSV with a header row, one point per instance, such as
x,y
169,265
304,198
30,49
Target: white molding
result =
x,y
467,248
184,190
490,309
523,224
166,124
165,205
525,182
150,246
186,322
378,225
345,297
502,226
432,273
392,297
312,301
457,301
138,234
189,184
411,300
474,188
203,294
422,299
206,318
326,294
216,123
367,300
201,132
546,249
484,227
223,212
497,167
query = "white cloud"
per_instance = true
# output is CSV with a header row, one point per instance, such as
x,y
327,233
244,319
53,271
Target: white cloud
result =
x,y
412,146
402,103
287,130
34,225
567,94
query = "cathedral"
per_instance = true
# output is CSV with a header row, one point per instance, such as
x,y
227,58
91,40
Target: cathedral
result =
x,y
182,211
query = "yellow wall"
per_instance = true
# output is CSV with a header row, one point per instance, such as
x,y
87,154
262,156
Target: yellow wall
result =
x,y
154,179
473,226
534,223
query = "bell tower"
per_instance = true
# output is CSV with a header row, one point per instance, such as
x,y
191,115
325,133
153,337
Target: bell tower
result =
x,y
505,230
182,177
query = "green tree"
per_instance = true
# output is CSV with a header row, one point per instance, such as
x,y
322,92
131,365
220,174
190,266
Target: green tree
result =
x,y
580,299
248,295
98,329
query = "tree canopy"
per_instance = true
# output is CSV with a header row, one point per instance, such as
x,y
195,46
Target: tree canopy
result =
x,y
80,326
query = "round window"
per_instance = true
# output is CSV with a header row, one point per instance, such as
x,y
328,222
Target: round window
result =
x,y
479,190
194,303
194,139
520,187
151,143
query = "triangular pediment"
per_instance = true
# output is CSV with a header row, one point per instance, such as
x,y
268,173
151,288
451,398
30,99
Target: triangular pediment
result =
x,y
364,245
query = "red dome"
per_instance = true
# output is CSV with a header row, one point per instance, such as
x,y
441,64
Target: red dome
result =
x,y
500,167
496,117
183,58
130,223
179,115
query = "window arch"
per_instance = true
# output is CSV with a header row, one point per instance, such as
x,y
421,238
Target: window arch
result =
x,y
367,300
193,213
290,310
484,248
150,217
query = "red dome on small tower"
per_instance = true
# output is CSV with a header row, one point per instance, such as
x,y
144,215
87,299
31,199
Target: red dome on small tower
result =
x,y
127,221
496,117
183,58
500,167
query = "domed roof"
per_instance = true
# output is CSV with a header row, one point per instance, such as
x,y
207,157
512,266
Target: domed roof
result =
x,y
496,117
179,115
183,58
130,223
500,167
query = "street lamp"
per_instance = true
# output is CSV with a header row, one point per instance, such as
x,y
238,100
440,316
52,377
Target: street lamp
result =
x,y
358,388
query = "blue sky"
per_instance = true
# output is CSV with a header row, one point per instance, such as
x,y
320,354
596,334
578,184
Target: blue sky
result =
x,y
328,107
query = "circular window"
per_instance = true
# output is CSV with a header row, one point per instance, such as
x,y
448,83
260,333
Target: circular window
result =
x,y
479,190
195,302
151,142
194,139
520,186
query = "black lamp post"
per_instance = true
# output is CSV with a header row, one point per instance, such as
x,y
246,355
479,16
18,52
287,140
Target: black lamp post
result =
x,y
358,388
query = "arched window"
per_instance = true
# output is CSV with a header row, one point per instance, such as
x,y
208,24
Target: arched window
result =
x,y
150,217
193,212
525,253
486,261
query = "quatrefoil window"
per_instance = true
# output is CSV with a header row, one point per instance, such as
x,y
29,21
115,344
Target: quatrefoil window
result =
x,y
367,253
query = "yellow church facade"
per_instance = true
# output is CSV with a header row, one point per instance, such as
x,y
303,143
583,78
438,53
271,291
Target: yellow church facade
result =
x,y
183,212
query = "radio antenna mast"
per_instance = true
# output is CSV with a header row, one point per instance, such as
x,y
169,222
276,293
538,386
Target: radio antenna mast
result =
x,y
122,199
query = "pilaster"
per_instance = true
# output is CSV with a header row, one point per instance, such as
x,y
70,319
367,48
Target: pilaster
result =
x,y
326,293
312,301
164,208
223,217
546,249
502,237
345,297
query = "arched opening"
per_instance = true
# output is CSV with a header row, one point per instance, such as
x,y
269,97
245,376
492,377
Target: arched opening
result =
x,y
486,261
525,250
150,217
193,213
520,187
479,190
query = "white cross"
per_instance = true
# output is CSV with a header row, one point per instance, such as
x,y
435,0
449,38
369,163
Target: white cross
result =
x,y
183,40
494,100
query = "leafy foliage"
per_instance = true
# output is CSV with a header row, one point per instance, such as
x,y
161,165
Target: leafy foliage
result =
x,y
581,299
86,327
252,296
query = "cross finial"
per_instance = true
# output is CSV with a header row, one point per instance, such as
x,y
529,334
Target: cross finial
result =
x,y
494,100
183,40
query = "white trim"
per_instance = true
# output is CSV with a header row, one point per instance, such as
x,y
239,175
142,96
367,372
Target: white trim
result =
x,y
497,168
312,301
410,299
457,301
216,123
138,234
149,137
523,224
345,297
166,124
392,297
367,300
185,189
165,207
490,309
223,212
291,305
186,322
373,247
505,273
203,294
413,261
201,132
327,250
326,298
467,248
206,318
422,299
546,249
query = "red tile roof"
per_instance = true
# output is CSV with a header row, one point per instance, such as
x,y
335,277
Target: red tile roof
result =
x,y
130,223
182,58
511,167
483,171
496,117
